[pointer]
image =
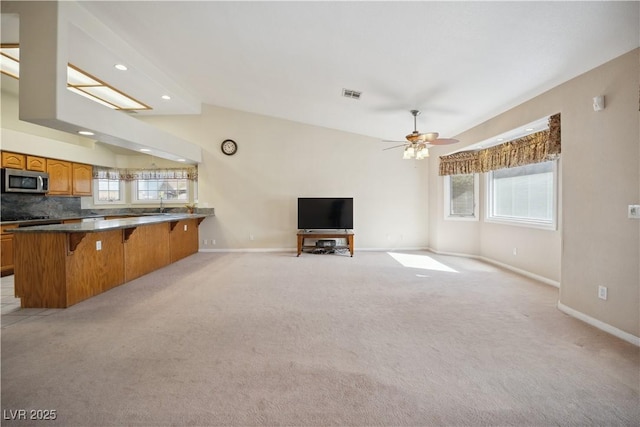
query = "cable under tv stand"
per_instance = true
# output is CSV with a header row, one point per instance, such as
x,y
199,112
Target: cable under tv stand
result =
x,y
323,234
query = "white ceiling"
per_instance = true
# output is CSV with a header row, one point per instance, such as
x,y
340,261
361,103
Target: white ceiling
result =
x,y
460,63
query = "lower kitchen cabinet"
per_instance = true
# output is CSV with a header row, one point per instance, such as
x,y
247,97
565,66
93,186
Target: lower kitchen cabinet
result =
x,y
6,250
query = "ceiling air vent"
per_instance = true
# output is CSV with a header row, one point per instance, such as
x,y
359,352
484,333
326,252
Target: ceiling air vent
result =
x,y
353,94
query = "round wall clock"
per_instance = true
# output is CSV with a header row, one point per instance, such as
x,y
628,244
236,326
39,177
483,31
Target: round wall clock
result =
x,y
229,147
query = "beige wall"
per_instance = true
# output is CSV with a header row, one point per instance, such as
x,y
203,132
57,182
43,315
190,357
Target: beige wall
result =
x,y
596,244
255,192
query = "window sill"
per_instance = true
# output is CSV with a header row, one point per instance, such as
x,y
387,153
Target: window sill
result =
x,y
550,226
461,218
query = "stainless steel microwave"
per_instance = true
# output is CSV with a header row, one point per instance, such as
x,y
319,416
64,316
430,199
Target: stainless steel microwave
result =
x,y
20,181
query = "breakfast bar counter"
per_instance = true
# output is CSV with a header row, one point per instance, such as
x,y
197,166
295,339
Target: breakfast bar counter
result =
x,y
56,266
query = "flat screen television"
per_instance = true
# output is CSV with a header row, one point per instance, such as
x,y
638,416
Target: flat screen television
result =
x,y
318,213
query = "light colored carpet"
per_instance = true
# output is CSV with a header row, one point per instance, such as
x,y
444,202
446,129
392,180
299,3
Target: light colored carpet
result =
x,y
270,339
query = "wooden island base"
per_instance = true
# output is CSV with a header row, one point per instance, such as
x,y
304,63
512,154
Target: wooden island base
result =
x,y
56,269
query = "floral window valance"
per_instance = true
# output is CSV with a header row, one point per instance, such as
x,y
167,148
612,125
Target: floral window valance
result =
x,y
142,174
535,148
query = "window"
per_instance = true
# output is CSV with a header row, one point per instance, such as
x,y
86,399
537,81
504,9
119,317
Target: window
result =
x,y
108,191
461,197
525,195
167,189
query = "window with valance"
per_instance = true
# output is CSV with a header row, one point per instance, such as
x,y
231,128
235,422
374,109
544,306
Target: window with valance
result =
x,y
535,148
190,174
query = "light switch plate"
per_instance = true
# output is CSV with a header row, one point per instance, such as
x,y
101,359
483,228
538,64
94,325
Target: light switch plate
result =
x,y
99,245
634,211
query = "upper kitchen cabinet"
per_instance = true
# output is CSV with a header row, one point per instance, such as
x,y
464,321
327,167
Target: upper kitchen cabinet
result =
x,y
82,178
35,163
13,160
60,177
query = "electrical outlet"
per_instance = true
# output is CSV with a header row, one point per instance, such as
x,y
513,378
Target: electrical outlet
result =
x,y
250,236
213,242
204,242
99,245
602,292
185,227
515,251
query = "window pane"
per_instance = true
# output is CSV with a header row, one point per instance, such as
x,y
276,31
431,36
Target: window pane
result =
x,y
525,192
462,197
109,190
167,189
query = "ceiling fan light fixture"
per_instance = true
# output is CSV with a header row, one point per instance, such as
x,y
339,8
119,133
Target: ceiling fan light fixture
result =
x,y
423,153
409,153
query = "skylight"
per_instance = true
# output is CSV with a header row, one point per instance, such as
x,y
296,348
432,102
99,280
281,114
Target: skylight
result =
x,y
78,81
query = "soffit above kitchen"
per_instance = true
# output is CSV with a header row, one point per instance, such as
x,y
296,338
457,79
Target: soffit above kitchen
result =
x,y
51,35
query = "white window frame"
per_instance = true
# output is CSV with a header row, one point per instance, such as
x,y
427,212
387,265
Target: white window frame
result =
x,y
447,201
121,189
135,200
541,224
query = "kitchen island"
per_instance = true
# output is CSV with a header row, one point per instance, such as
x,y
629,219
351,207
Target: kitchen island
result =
x,y
56,266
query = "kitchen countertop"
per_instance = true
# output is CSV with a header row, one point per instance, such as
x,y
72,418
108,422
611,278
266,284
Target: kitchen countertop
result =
x,y
43,220
102,225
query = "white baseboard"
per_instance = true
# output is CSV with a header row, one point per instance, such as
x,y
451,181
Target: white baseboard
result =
x,y
408,248
599,324
525,273
520,271
249,250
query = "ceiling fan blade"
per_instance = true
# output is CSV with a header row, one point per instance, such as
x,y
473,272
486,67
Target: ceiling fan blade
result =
x,y
396,146
443,141
391,140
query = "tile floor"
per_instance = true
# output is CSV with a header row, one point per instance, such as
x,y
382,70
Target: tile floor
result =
x,y
11,313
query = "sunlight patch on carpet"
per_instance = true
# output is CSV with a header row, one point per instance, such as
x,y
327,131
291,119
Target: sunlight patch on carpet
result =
x,y
424,262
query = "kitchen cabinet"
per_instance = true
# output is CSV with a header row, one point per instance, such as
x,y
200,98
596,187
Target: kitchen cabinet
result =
x,y
35,163
82,177
6,250
60,177
13,160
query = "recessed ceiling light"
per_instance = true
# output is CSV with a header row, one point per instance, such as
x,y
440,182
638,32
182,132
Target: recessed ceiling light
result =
x,y
180,160
529,129
121,67
166,97
86,132
500,139
145,150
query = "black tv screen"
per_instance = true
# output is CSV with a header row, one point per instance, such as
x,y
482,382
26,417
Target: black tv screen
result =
x,y
316,213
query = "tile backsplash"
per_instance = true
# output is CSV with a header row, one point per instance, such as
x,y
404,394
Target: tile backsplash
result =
x,y
37,205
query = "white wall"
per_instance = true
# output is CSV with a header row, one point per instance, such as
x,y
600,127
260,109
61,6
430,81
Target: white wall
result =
x,y
255,192
596,244
29,138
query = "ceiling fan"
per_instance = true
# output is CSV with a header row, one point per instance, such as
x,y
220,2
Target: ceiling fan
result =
x,y
420,142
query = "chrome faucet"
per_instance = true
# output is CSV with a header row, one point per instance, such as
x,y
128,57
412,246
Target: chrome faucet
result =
x,y
161,208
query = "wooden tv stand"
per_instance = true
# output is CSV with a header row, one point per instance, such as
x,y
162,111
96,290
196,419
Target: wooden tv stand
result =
x,y
323,234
